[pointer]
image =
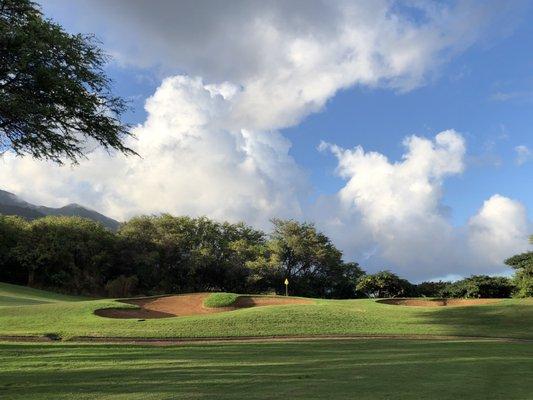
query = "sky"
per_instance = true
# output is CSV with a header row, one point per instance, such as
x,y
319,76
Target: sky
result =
x,y
402,129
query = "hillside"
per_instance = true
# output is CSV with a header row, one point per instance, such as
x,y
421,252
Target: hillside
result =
x,y
11,204
15,295
507,318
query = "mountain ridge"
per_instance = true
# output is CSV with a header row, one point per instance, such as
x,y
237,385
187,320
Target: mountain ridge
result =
x,y
11,204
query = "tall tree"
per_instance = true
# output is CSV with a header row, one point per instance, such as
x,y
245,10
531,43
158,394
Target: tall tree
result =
x,y
55,98
523,279
384,284
308,259
183,254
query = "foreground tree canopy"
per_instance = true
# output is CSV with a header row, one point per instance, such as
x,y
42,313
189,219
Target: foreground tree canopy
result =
x,y
55,99
152,255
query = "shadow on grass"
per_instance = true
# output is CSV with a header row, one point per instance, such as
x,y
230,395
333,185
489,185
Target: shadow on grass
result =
x,y
506,320
314,370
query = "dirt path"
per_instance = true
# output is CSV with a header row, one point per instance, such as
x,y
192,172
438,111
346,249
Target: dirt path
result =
x,y
256,339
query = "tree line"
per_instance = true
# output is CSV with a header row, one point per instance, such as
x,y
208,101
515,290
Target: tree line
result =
x,y
152,255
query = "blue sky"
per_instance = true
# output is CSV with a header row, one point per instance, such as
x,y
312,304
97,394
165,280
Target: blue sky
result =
x,y
486,93
417,68
461,97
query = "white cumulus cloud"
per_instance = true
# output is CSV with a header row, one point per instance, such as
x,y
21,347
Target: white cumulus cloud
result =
x,y
289,57
499,230
391,213
191,163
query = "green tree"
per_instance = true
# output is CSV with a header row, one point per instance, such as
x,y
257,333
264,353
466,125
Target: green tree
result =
x,y
139,252
430,289
308,259
479,286
344,281
384,284
167,254
55,97
180,254
71,254
523,278
13,232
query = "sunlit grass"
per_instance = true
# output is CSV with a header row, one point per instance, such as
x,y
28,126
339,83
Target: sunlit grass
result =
x,y
378,369
509,318
15,295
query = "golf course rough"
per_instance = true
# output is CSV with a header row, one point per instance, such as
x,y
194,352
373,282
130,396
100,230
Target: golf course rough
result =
x,y
370,368
71,317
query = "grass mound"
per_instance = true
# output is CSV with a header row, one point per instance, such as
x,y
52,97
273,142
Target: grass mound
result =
x,y
215,300
508,318
15,295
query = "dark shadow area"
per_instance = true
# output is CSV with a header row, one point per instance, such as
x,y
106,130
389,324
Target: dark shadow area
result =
x,y
510,320
132,313
423,302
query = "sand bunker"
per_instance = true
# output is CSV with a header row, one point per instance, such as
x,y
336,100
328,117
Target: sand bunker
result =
x,y
438,302
188,304
258,301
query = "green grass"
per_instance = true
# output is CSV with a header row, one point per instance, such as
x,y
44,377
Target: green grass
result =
x,y
220,299
14,295
511,318
361,369
345,369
